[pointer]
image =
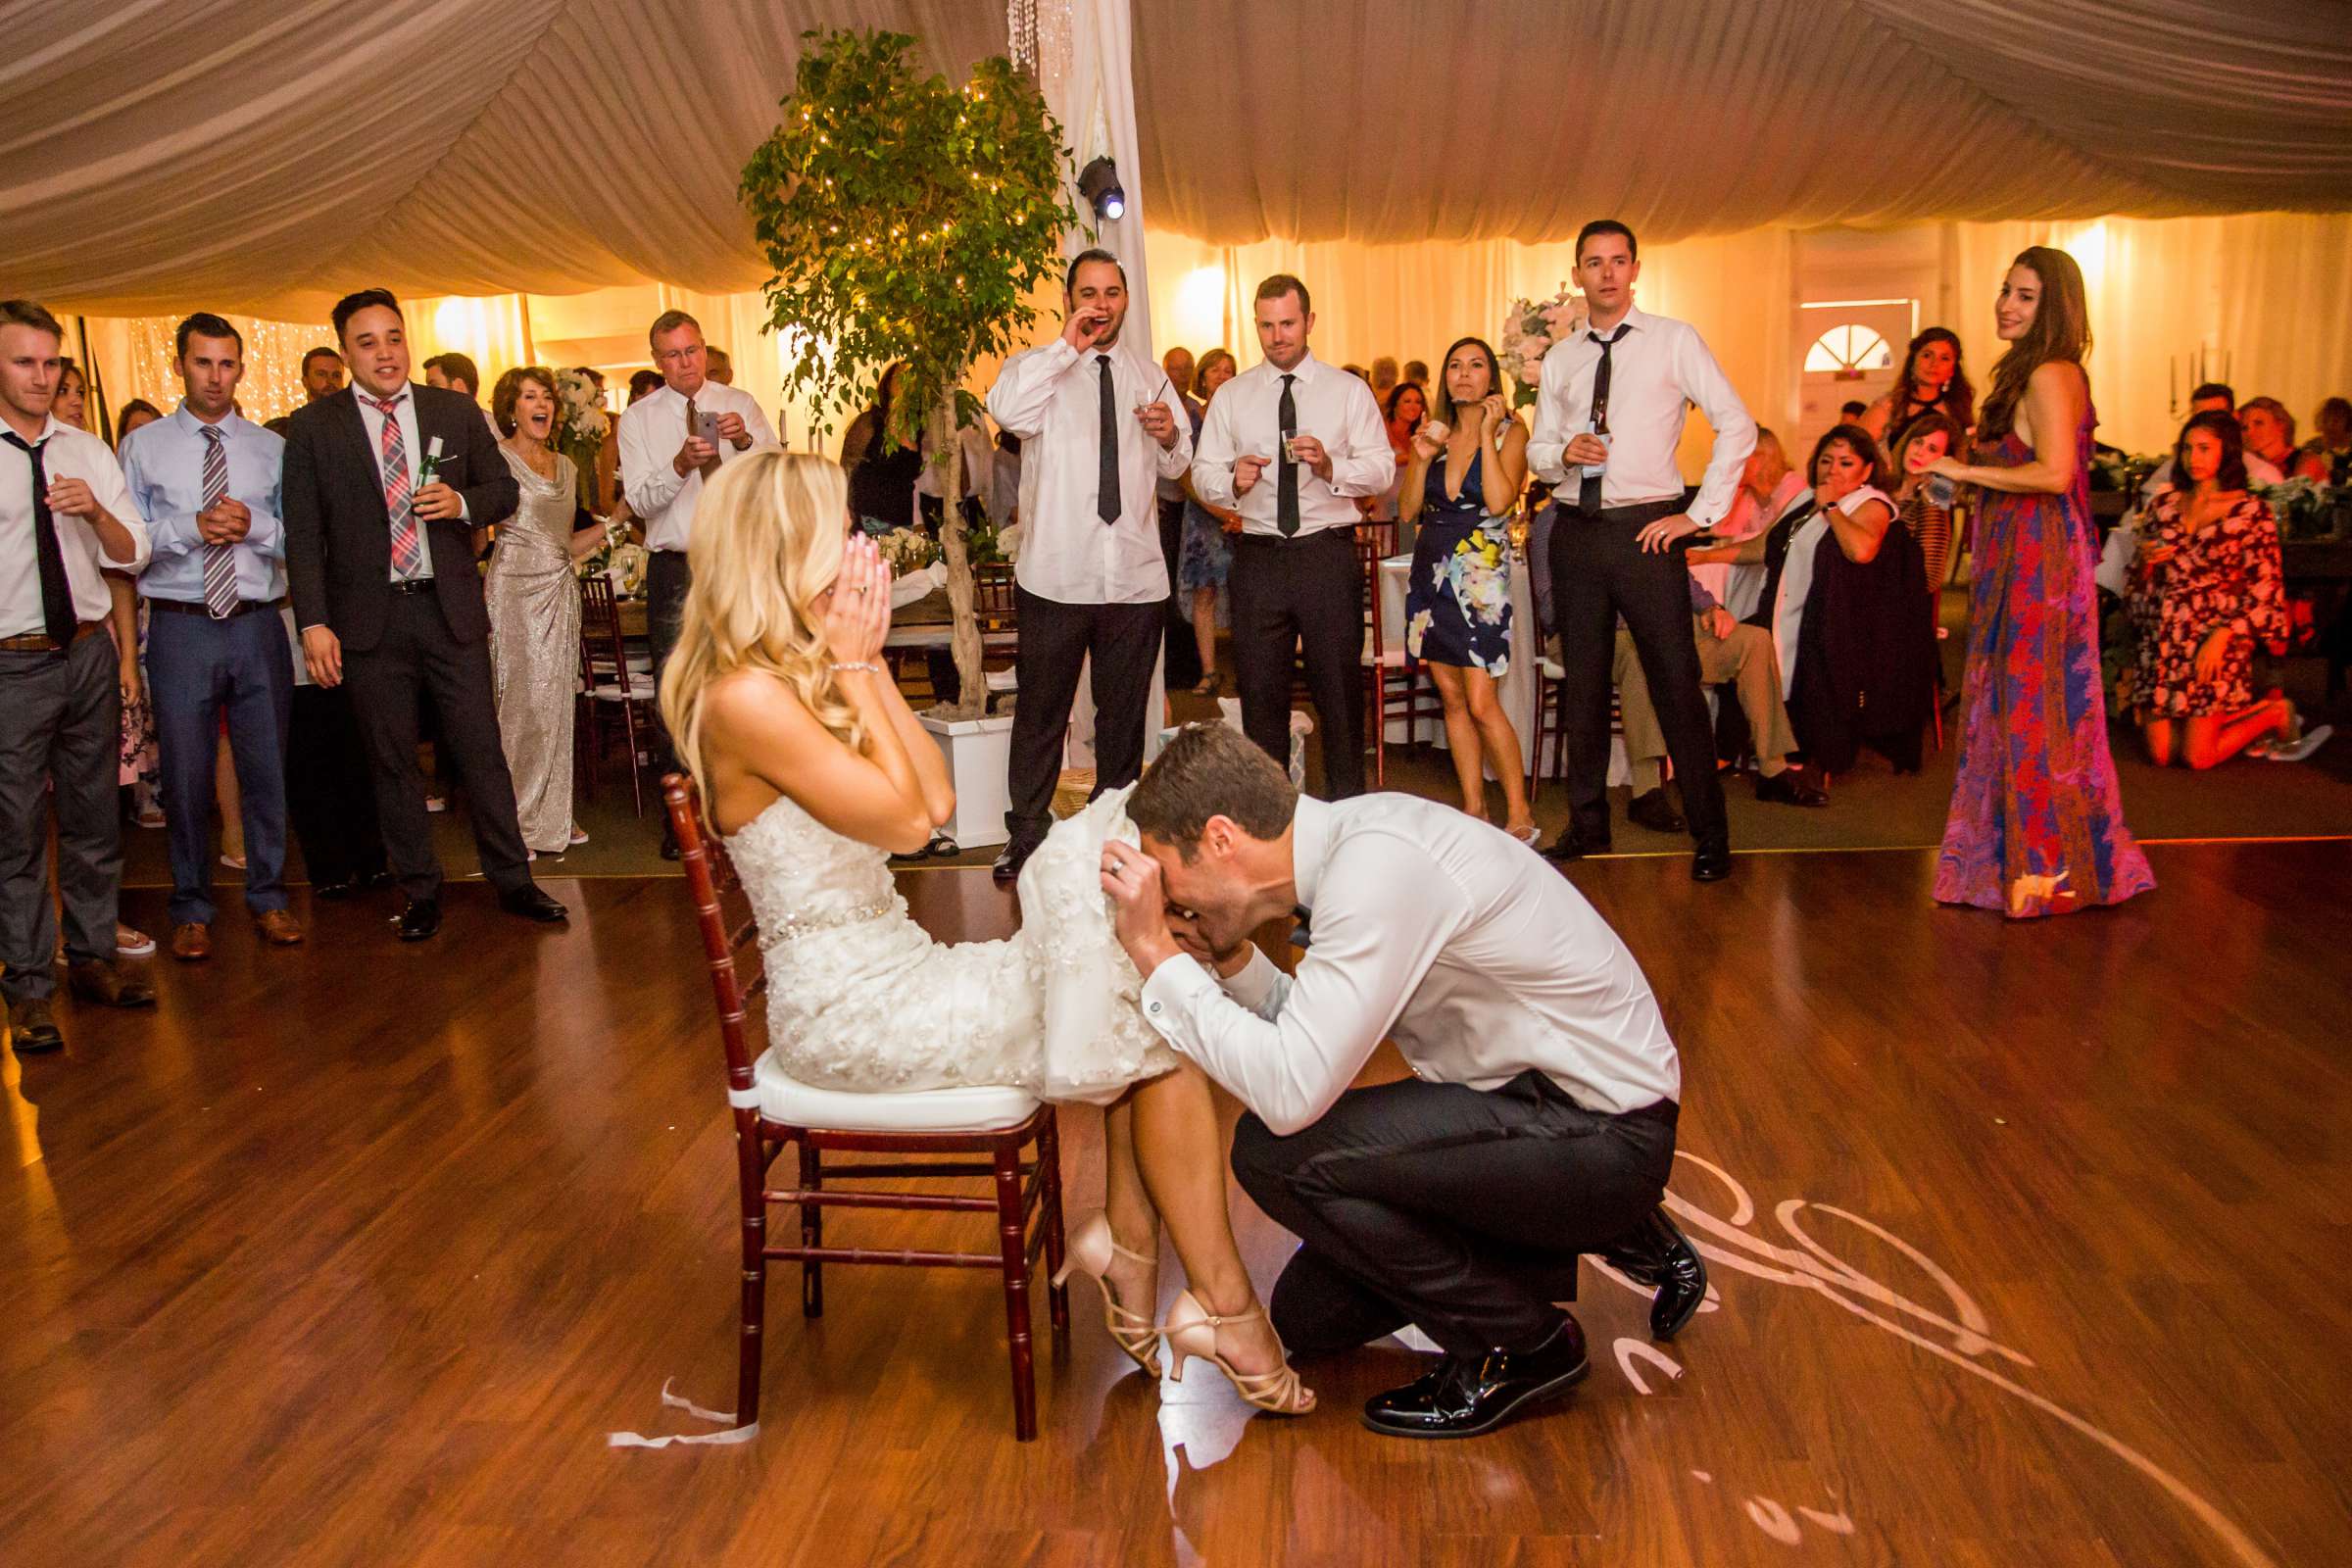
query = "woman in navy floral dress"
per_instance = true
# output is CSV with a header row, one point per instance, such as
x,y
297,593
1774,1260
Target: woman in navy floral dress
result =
x,y
1457,601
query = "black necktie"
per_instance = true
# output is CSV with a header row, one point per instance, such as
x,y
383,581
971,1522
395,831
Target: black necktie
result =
x,y
1286,487
57,595
1106,472
1588,490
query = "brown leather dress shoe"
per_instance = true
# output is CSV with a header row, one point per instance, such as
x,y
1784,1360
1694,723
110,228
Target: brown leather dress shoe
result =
x,y
191,941
278,928
33,1027
96,980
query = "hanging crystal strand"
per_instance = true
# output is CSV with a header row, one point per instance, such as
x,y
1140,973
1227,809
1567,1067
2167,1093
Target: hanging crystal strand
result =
x,y
1020,27
1050,37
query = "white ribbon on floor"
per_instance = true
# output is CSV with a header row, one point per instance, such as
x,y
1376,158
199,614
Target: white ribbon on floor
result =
x,y
733,1434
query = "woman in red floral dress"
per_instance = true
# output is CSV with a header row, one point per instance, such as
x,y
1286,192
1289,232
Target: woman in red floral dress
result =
x,y
2037,824
2206,587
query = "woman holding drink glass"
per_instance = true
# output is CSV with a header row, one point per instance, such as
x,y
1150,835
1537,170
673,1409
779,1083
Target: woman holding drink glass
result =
x,y
1468,466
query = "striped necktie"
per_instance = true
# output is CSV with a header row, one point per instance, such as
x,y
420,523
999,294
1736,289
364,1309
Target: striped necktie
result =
x,y
219,560
408,553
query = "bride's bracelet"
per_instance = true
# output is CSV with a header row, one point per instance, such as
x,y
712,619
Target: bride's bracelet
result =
x,y
856,663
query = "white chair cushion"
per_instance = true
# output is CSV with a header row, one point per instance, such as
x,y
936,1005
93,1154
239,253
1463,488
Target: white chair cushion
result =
x,y
1392,659
785,1099
1551,669
637,691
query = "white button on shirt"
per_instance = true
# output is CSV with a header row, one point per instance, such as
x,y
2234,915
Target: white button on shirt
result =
x,y
651,430
1495,964
1245,419
1656,369
66,454
1051,397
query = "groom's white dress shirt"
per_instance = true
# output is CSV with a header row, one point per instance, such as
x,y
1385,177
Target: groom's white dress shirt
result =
x,y
1440,931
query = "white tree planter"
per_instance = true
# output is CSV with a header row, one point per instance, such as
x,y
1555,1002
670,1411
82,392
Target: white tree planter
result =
x,y
979,750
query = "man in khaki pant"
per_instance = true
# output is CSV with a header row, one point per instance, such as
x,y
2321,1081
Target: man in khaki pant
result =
x,y
1728,652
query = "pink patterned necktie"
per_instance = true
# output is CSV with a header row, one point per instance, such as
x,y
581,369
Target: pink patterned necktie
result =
x,y
219,560
407,552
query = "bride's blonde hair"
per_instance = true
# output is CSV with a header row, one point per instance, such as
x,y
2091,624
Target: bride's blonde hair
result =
x,y
768,537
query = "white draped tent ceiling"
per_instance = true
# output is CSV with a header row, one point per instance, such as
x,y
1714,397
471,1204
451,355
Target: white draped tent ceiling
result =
x,y
265,154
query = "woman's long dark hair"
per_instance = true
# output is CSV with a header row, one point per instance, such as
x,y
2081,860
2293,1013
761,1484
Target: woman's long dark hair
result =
x,y
1441,400
1925,424
881,441
2232,474
2061,330
1959,398
1396,395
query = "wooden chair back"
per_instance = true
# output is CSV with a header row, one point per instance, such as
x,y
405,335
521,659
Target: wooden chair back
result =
x,y
723,912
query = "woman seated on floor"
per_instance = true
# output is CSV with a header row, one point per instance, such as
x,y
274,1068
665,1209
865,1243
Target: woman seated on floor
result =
x,y
1860,652
2206,587
1842,597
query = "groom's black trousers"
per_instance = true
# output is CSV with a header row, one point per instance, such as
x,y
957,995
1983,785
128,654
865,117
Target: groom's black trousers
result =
x,y
1458,1209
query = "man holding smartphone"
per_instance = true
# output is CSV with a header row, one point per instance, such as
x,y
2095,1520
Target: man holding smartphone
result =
x,y
671,442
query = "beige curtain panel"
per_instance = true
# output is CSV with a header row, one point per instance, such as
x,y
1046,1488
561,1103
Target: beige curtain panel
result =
x,y
264,155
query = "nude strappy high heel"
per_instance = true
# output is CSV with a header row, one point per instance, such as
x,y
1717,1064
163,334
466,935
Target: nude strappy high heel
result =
x,y
1192,1330
1091,1248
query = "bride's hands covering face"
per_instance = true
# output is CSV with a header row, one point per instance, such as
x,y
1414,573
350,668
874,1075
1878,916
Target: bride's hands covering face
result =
x,y
857,606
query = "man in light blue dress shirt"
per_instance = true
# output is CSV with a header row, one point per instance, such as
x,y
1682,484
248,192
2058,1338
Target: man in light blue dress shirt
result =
x,y
207,480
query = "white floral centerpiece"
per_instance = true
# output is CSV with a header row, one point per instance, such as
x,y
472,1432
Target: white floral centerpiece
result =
x,y
2305,508
582,427
906,552
1529,330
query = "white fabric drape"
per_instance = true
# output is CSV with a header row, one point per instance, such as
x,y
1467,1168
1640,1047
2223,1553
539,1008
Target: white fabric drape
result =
x,y
1462,119
478,147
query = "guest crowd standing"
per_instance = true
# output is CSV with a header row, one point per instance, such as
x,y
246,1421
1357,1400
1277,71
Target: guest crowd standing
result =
x,y
65,517
2037,824
535,603
387,595
1091,582
208,482
1608,422
1295,584
673,441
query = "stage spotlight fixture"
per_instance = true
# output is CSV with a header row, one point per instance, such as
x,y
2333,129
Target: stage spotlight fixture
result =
x,y
1098,183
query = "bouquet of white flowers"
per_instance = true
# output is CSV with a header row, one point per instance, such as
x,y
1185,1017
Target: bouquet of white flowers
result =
x,y
905,552
581,426
1529,330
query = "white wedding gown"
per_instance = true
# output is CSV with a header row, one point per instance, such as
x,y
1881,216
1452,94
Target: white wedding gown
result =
x,y
861,997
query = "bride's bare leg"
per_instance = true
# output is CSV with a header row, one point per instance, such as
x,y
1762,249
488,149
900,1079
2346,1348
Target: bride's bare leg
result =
x,y
1180,1153
1127,1204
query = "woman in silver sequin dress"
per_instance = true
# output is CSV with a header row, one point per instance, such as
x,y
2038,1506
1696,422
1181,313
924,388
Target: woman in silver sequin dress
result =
x,y
535,613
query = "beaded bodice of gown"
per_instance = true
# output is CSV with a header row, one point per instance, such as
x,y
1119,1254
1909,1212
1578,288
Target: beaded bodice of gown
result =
x,y
861,998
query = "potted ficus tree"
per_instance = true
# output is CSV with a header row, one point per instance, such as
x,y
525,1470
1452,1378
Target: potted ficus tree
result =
x,y
908,220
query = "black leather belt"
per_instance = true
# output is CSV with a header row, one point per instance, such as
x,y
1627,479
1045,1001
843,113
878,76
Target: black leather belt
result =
x,y
180,606
415,585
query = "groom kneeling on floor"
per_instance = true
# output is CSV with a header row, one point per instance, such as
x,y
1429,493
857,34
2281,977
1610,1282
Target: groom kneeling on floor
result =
x,y
1540,1120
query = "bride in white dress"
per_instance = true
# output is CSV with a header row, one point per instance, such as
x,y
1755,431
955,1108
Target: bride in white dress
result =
x,y
814,771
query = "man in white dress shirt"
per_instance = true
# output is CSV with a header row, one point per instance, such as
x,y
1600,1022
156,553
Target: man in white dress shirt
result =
x,y
1097,433
1607,421
672,443
64,514
1540,1122
1295,583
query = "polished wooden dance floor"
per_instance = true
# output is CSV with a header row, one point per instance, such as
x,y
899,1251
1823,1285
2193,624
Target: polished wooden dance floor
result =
x,y
2030,1248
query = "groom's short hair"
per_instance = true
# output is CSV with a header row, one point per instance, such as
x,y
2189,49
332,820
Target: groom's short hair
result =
x,y
1211,770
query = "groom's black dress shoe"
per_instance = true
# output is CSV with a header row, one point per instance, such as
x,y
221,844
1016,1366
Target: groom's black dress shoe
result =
x,y
1656,1253
1651,809
1464,1396
532,902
